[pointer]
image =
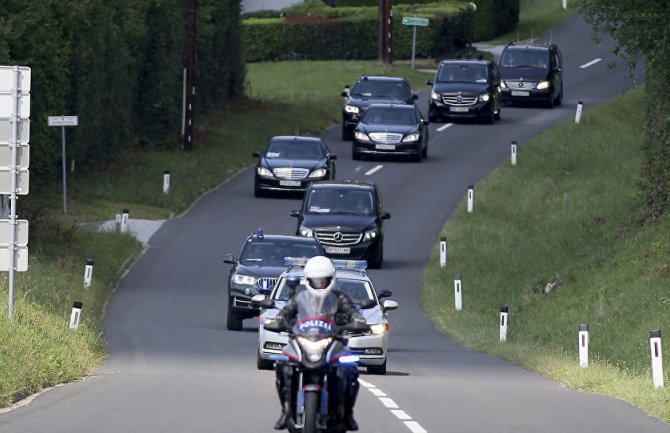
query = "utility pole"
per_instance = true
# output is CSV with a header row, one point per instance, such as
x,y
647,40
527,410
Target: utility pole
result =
x,y
190,76
385,24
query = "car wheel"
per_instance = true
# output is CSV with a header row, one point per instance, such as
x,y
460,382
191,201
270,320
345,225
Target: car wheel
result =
x,y
233,323
355,154
498,114
559,98
377,369
257,191
424,152
263,364
550,101
432,117
376,262
490,116
347,133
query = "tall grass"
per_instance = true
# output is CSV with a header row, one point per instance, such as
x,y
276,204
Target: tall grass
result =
x,y
556,238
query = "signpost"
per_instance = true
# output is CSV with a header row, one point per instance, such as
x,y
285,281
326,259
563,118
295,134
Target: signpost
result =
x,y
63,121
414,22
14,174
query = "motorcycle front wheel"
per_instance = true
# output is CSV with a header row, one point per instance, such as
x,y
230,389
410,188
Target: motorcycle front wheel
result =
x,y
311,412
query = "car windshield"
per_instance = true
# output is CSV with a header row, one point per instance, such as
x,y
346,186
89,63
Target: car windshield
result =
x,y
389,116
294,149
463,73
538,59
357,290
272,253
356,202
381,89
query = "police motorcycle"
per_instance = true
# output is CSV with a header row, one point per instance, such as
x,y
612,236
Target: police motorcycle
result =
x,y
316,354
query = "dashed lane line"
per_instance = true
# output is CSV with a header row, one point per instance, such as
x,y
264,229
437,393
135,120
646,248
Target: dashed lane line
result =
x,y
445,126
403,416
373,170
591,63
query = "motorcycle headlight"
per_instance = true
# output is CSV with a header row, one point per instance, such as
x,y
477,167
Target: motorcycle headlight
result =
x,y
306,232
434,95
314,349
244,279
262,171
543,85
411,137
352,109
379,328
370,234
361,136
484,97
319,172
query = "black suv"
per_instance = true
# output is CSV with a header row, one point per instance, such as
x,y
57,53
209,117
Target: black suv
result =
x,y
370,90
346,217
257,268
465,88
532,73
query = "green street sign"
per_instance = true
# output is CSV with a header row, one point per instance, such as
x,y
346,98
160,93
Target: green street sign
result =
x,y
414,21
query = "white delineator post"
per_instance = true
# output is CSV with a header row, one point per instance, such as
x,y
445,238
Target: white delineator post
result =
x,y
117,223
565,4
578,113
513,153
503,323
443,251
76,314
471,197
124,221
656,357
458,296
583,338
88,273
166,181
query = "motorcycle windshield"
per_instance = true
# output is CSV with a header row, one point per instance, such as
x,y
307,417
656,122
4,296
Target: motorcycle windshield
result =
x,y
315,314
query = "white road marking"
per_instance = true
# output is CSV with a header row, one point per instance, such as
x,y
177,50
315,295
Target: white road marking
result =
x,y
445,126
359,168
378,392
388,402
373,170
401,414
366,384
591,63
415,427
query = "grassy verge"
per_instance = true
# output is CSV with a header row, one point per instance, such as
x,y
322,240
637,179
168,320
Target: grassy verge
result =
x,y
557,240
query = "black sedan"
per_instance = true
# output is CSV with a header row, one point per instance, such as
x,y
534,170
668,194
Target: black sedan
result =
x,y
390,129
290,163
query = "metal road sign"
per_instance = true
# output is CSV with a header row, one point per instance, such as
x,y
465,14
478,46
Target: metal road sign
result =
x,y
63,120
22,181
22,156
6,131
20,259
7,105
414,21
8,79
21,232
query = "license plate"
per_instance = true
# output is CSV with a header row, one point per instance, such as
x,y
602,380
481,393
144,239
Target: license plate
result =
x,y
520,93
338,250
459,109
289,182
385,146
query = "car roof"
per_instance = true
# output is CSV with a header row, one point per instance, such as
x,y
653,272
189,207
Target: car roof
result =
x,y
300,239
341,184
354,274
529,46
295,137
381,78
465,61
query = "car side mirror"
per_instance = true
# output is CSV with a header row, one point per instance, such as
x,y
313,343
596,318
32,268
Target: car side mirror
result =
x,y
385,216
429,82
415,96
333,156
384,294
425,122
256,154
347,92
267,303
229,258
295,213
389,305
367,304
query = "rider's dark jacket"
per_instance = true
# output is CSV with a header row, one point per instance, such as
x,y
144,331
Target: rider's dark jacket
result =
x,y
345,312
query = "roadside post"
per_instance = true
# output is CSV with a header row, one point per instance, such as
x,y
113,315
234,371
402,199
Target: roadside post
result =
x,y
583,338
88,273
578,113
166,181
125,215
443,251
63,121
513,153
504,311
471,197
656,357
14,175
75,315
414,22
458,296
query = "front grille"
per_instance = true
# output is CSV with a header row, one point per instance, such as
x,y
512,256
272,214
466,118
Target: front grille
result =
x,y
337,237
266,283
524,85
459,100
386,137
291,173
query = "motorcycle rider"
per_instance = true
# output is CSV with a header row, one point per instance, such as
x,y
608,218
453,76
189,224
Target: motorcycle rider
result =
x,y
319,275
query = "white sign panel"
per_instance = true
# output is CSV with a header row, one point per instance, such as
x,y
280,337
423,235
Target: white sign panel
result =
x,y
21,259
7,105
63,120
21,232
8,79
22,156
22,181
7,129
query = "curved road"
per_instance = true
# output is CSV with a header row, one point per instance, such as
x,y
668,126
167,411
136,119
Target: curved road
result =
x,y
173,367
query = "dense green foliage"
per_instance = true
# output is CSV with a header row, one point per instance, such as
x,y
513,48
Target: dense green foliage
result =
x,y
118,66
640,29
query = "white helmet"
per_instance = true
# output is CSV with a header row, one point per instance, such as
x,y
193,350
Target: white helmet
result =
x,y
320,274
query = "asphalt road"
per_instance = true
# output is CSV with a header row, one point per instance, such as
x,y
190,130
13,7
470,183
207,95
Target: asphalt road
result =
x,y
173,367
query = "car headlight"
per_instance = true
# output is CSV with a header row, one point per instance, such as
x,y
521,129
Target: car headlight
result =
x,y
319,172
379,328
502,84
484,97
262,171
361,136
543,85
306,232
352,109
411,137
244,279
370,234
434,95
